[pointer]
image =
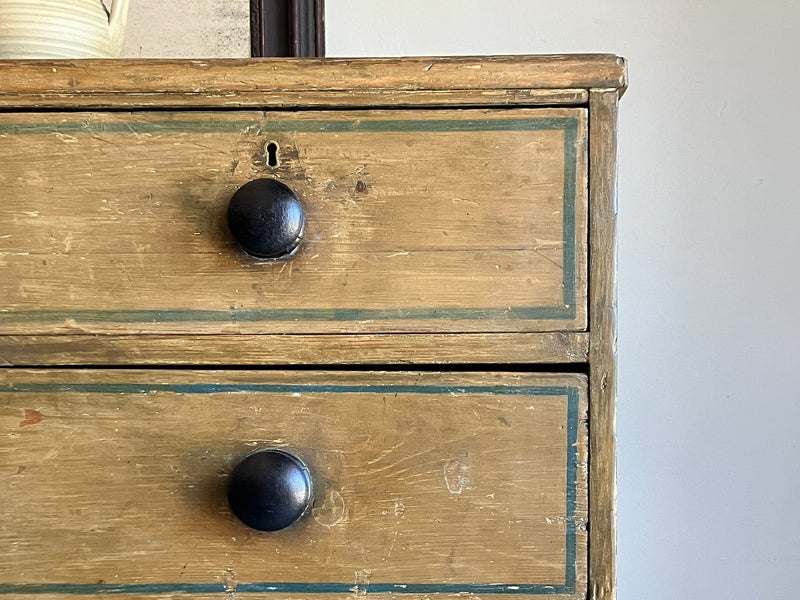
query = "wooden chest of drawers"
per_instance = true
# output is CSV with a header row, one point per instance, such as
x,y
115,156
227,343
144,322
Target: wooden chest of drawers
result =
x,y
455,217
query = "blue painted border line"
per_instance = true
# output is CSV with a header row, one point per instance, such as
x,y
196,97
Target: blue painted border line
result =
x,y
273,588
255,315
285,388
573,401
281,126
566,311
570,186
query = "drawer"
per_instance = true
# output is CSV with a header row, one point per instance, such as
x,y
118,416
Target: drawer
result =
x,y
423,483
417,221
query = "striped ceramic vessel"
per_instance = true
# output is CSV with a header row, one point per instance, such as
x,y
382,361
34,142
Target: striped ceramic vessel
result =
x,y
61,28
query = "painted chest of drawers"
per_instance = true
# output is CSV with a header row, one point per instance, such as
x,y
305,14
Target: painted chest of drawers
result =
x,y
434,354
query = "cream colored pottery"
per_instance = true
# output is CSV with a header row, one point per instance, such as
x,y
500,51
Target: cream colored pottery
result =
x,y
61,28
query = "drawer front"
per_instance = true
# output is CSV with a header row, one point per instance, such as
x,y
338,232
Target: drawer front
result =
x,y
416,221
423,483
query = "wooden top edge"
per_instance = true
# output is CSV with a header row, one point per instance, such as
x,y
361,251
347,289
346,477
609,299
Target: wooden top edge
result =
x,y
231,77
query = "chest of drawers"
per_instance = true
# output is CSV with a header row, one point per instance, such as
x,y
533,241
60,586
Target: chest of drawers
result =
x,y
436,355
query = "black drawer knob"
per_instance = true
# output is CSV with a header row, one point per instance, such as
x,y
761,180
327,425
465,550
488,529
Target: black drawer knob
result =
x,y
269,490
266,218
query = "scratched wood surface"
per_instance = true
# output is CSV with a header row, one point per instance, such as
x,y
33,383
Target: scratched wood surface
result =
x,y
45,430
118,477
420,81
426,221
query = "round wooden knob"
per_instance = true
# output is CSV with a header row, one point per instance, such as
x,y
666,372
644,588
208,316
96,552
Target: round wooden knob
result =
x,y
269,490
266,218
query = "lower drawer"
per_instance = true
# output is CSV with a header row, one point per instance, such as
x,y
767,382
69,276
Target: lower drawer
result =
x,y
115,483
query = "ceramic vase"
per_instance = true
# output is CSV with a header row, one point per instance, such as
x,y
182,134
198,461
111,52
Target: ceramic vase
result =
x,y
61,28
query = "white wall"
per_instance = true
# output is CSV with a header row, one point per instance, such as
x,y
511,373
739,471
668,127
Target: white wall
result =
x,y
709,374
188,29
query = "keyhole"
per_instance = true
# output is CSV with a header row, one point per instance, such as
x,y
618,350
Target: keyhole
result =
x,y
272,154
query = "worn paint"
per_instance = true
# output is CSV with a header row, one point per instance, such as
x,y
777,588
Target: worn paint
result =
x,y
293,126
31,417
217,388
332,511
456,474
362,577
254,315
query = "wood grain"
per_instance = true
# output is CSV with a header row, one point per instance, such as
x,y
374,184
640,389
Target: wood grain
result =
x,y
421,479
362,349
113,244
417,221
603,343
301,82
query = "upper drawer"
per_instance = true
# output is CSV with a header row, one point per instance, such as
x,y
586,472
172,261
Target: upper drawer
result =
x,y
416,221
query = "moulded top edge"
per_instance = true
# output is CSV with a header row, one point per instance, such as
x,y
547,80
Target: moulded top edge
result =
x,y
226,78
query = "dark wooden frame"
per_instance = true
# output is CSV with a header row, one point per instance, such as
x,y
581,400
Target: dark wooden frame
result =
x,y
287,28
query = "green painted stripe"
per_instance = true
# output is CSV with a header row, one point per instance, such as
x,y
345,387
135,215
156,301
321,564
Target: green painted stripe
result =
x,y
277,587
283,388
566,311
153,589
573,399
258,315
291,126
569,274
